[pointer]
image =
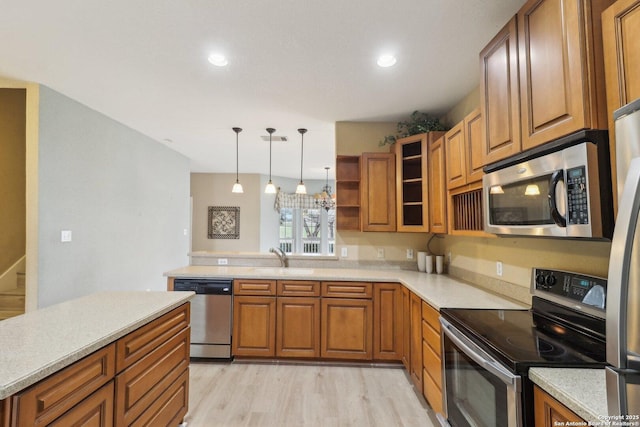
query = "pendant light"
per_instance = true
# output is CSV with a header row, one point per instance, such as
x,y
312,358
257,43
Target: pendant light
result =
x,y
270,188
326,199
237,187
301,189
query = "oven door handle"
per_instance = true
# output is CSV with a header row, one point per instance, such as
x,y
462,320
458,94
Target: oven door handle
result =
x,y
480,356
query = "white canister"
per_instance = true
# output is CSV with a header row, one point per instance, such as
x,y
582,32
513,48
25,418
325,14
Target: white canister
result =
x,y
421,260
429,264
439,264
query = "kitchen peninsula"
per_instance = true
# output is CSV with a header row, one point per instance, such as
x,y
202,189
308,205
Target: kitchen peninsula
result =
x,y
77,358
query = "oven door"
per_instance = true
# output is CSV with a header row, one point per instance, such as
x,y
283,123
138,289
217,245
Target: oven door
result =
x,y
479,391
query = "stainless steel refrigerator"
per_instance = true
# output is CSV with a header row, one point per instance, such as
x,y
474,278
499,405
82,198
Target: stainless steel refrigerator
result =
x,y
623,288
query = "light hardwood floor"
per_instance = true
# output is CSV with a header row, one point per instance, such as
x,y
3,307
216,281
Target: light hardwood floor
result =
x,y
254,394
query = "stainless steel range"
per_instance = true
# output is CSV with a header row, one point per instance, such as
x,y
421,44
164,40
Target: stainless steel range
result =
x,y
487,353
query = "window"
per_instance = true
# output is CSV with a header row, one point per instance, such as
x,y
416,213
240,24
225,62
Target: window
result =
x,y
307,230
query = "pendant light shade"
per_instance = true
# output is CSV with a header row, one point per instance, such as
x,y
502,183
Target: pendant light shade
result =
x,y
237,187
301,189
270,188
325,199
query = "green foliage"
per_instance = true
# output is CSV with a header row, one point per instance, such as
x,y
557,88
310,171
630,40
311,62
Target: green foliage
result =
x,y
417,123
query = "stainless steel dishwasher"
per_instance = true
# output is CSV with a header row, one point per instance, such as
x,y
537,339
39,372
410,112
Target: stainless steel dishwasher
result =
x,y
211,314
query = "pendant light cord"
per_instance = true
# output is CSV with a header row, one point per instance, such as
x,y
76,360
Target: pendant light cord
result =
x,y
301,155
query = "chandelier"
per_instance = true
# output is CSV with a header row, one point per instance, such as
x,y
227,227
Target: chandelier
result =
x,y
325,199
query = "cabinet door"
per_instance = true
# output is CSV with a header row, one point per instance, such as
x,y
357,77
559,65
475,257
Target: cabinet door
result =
x,y
254,326
456,154
621,37
298,327
5,412
561,68
548,412
378,196
347,329
437,187
406,328
500,95
416,341
387,321
474,142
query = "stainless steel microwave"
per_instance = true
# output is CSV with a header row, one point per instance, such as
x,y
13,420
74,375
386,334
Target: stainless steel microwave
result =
x,y
561,189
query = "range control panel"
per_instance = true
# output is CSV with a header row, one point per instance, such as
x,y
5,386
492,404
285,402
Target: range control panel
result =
x,y
589,290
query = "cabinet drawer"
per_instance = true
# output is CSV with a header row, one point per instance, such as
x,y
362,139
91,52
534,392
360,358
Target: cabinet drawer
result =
x,y
347,289
431,315
254,287
143,341
298,288
432,393
95,410
45,401
431,337
141,384
431,363
170,408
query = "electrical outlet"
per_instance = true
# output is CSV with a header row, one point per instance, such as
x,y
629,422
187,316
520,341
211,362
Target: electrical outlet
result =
x,y
409,253
65,236
449,258
344,252
380,252
223,261
499,268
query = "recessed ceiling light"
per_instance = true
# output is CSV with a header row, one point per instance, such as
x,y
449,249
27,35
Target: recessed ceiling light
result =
x,y
218,60
387,61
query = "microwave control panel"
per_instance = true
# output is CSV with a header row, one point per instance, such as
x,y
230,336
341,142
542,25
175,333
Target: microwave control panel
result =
x,y
578,206
590,290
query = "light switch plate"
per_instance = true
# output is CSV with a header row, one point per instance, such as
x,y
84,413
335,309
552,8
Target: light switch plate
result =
x,y
65,236
223,261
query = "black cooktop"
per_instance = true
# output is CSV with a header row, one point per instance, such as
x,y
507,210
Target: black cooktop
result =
x,y
523,338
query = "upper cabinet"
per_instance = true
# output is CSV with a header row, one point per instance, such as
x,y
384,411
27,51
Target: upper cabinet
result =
x,y
378,195
348,193
412,187
464,147
561,68
437,187
621,37
500,95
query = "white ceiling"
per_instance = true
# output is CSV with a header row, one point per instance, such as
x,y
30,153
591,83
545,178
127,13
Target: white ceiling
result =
x,y
292,64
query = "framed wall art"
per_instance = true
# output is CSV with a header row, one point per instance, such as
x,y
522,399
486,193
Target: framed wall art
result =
x,y
224,222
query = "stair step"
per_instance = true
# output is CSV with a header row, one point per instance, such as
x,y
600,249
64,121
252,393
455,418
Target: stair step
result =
x,y
12,299
21,280
5,314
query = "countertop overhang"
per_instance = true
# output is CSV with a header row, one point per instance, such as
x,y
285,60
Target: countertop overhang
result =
x,y
39,343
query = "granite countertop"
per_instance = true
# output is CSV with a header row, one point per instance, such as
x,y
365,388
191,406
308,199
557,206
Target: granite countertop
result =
x,y
36,344
438,290
584,391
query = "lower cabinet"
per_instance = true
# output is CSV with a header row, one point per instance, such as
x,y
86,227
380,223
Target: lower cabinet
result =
x,y
415,366
387,321
298,327
141,379
548,412
254,326
347,329
431,358
406,328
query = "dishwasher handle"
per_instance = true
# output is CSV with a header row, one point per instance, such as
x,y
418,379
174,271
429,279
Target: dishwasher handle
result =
x,y
205,287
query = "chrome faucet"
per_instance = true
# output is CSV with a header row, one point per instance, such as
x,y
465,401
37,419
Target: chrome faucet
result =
x,y
281,256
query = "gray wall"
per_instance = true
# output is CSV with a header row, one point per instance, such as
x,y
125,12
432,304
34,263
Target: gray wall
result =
x,y
124,196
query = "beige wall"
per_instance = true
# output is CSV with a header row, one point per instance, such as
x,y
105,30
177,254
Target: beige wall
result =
x,y
214,189
460,110
12,176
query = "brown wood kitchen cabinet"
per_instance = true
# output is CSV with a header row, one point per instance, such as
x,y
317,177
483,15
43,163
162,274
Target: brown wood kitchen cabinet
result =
x,y
378,192
348,193
463,150
142,378
561,68
431,358
621,38
548,412
437,186
415,371
387,321
406,328
5,412
347,320
412,188
254,318
298,318
500,95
